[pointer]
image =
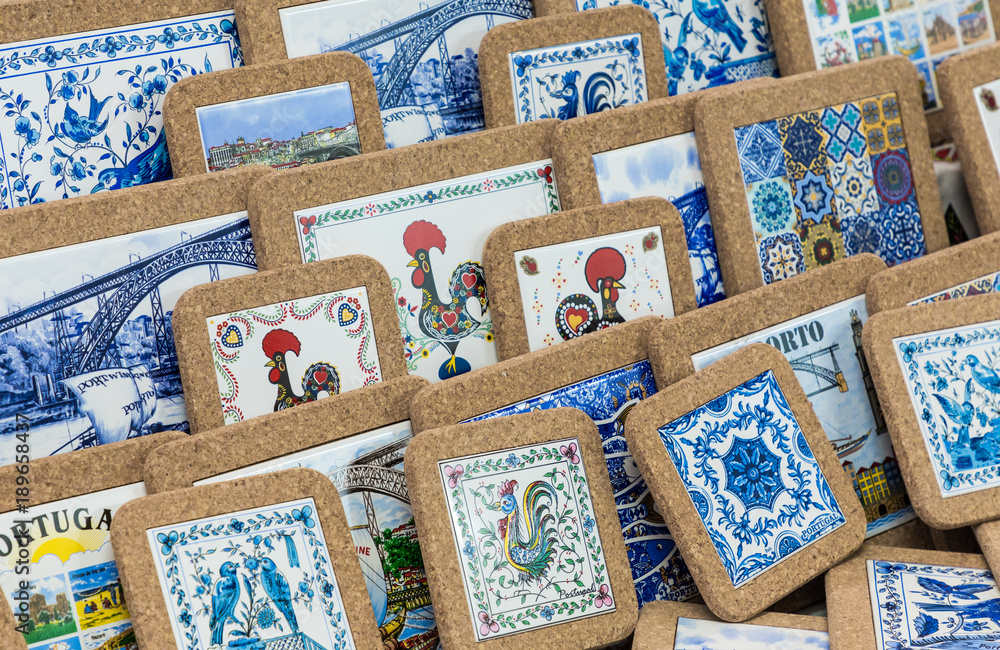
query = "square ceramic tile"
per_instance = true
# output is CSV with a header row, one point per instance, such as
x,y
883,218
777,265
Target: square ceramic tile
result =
x,y
425,239
951,376
404,43
260,574
587,285
283,131
989,283
752,477
824,349
989,112
260,353
936,607
381,520
524,528
829,183
668,168
711,635
83,113
86,336
709,45
578,78
658,571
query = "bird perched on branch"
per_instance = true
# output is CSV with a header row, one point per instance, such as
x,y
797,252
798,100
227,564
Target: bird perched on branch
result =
x,y
150,166
224,600
714,15
276,587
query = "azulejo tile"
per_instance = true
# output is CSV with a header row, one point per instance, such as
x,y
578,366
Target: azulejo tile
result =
x,y
771,207
902,237
842,127
893,178
854,194
759,147
803,142
861,236
781,257
752,477
813,198
822,243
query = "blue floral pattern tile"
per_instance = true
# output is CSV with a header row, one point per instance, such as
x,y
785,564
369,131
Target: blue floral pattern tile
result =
x,y
752,476
759,146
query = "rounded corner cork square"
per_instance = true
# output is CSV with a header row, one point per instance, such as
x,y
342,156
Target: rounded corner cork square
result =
x,y
94,280
519,510
888,598
57,567
755,516
559,277
283,114
967,269
267,558
811,169
278,339
571,65
935,368
409,210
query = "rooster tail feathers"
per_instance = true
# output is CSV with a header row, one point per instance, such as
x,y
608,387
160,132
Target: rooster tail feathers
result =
x,y
469,281
600,86
320,377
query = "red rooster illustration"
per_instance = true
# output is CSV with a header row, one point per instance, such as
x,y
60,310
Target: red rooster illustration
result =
x,y
320,377
577,314
445,322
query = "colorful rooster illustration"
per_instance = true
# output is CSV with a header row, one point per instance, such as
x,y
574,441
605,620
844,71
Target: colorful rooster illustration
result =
x,y
320,377
577,314
445,322
530,551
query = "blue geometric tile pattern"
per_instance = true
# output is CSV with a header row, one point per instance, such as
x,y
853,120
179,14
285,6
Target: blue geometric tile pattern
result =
x,y
759,146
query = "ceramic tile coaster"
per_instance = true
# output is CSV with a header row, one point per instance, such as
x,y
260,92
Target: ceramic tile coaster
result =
x,y
571,65
278,339
270,556
619,155
409,210
745,479
900,598
94,321
283,114
559,277
933,367
57,568
969,85
357,439
604,375
815,168
83,90
679,626
968,269
519,511
704,45
420,97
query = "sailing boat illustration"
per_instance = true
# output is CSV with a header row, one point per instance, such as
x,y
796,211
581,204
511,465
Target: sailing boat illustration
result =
x,y
117,401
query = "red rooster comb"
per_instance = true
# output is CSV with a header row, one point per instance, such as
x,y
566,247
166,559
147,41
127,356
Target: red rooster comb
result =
x,y
423,235
604,263
507,487
277,341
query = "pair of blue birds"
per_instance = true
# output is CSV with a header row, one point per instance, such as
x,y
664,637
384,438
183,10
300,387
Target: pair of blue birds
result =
x,y
962,414
227,595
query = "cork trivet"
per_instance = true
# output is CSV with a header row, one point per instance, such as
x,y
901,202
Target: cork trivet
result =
x,y
923,277
180,119
443,560
565,29
957,77
731,107
907,439
848,599
758,593
194,342
554,7
657,626
272,204
137,566
260,28
275,435
500,265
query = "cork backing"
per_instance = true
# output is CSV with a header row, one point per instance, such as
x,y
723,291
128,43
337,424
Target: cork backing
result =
x,y
565,29
657,626
988,538
273,202
180,119
500,265
908,441
442,559
957,77
194,345
275,435
260,28
553,7
138,568
725,109
919,278
848,601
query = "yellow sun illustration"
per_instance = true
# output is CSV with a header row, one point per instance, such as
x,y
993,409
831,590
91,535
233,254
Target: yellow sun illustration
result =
x,y
60,547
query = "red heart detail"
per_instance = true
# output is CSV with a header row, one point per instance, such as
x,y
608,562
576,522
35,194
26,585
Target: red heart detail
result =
x,y
449,318
320,376
469,280
575,318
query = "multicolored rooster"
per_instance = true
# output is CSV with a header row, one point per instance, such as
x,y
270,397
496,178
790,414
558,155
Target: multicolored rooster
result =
x,y
320,377
577,314
528,545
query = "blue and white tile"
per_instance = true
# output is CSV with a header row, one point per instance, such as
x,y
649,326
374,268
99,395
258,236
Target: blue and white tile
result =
x,y
700,634
759,148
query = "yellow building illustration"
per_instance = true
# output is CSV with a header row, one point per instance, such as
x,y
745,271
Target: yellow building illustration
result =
x,y
879,488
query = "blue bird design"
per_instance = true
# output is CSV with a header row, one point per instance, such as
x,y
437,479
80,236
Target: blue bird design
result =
x,y
960,414
714,15
678,59
596,91
81,129
989,609
985,377
276,587
224,600
150,166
